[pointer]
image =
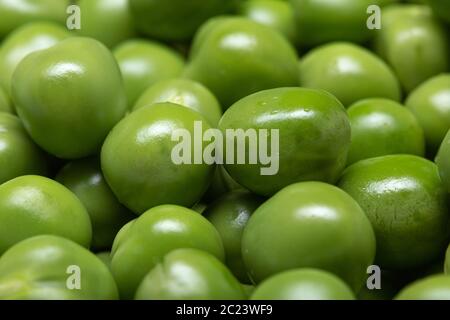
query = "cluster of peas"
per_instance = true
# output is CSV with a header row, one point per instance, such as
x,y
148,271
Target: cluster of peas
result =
x,y
93,207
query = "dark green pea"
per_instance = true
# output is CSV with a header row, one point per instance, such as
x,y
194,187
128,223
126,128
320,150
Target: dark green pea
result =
x,y
85,179
229,214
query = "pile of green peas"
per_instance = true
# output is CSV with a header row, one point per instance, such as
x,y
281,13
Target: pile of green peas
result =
x,y
92,205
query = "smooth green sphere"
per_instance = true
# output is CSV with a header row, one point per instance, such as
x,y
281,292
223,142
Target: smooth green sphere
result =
x,y
303,284
23,41
348,71
16,13
143,63
140,159
306,131
49,267
186,93
430,103
69,96
382,127
235,57
34,205
143,243
309,225
276,14
406,202
190,274
85,179
109,21
413,43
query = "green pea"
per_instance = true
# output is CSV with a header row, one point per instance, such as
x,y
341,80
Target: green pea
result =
x,y
436,287
273,13
349,72
48,267
247,56
23,41
19,12
34,205
382,127
19,155
144,242
190,274
303,284
406,202
413,43
69,96
85,179
229,214
309,225
430,103
137,159
143,63
108,21
307,129
183,92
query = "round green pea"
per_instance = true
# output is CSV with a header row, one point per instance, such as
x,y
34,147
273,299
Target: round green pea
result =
x,y
414,43
190,274
307,135
309,225
303,284
19,12
23,41
109,21
49,267
406,202
143,63
19,155
436,287
229,215
144,242
248,57
443,161
69,96
85,179
430,103
350,72
273,13
34,205
382,127
184,92
138,158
